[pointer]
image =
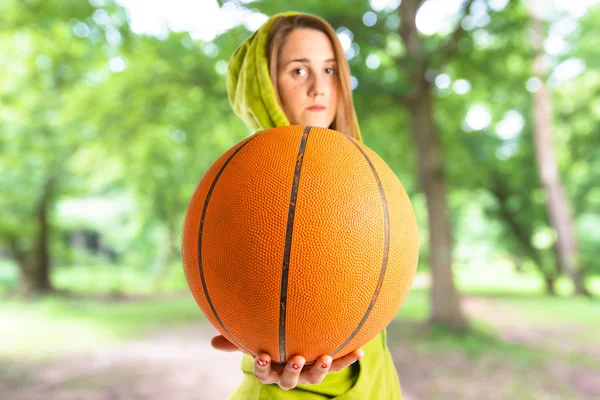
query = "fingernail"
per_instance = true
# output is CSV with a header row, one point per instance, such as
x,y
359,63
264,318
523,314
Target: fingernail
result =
x,y
324,365
295,366
262,363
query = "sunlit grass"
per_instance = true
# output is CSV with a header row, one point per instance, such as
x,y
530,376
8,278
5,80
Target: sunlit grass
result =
x,y
521,292
54,325
498,277
104,279
57,325
557,310
118,279
416,306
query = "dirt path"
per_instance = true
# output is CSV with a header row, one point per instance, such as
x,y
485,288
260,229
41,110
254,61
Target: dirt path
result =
x,y
429,375
174,364
179,364
513,326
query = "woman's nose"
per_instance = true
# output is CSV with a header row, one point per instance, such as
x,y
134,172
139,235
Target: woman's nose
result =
x,y
317,87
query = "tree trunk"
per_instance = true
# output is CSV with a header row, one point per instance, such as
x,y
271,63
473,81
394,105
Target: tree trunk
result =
x,y
549,285
445,305
35,264
557,202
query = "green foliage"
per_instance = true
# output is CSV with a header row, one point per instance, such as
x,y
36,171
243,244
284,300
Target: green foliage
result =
x,y
47,63
577,109
91,109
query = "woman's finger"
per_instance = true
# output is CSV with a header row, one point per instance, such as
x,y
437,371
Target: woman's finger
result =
x,y
222,344
317,372
348,359
263,371
291,373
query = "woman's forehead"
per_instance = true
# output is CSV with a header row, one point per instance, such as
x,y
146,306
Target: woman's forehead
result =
x,y
307,45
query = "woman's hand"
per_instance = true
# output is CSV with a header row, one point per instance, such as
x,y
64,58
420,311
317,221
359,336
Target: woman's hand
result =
x,y
295,372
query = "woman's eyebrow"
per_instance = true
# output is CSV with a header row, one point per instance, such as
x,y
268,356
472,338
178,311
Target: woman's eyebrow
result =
x,y
307,61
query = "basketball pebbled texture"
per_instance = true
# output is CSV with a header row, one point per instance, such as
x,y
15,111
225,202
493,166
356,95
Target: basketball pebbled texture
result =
x,y
299,240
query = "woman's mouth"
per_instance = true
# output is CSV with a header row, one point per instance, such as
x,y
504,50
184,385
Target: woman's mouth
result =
x,y
316,107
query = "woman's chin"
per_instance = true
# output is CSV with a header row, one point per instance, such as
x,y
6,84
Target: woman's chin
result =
x,y
316,122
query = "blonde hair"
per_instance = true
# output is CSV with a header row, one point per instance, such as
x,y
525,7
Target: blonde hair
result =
x,y
345,119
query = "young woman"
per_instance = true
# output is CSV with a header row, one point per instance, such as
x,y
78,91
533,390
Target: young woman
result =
x,y
293,71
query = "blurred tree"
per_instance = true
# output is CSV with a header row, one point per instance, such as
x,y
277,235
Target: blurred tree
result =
x,y
493,65
87,98
576,108
558,206
164,118
445,306
89,108
43,62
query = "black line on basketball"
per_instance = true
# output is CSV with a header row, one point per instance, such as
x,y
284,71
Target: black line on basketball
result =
x,y
288,244
386,248
200,230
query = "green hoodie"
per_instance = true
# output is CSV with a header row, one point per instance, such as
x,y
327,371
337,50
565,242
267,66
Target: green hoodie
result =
x,y
254,100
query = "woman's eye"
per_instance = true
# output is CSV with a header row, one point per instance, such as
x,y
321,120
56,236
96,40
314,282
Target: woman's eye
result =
x,y
330,70
299,72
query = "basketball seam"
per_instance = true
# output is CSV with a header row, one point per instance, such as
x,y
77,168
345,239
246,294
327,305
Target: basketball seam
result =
x,y
386,247
201,227
288,244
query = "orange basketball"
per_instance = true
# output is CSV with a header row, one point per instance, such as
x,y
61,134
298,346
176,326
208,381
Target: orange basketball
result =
x,y
299,241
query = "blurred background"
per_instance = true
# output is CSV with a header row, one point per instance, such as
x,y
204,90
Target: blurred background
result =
x,y
487,110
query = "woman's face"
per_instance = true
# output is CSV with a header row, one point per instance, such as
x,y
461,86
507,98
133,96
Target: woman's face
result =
x,y
306,78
